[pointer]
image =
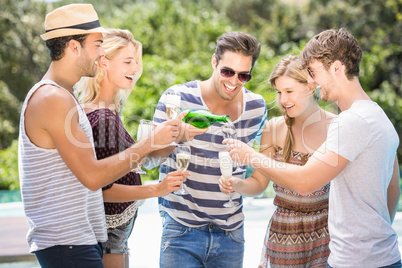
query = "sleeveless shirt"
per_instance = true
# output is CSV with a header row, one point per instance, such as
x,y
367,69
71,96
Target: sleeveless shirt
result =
x,y
60,210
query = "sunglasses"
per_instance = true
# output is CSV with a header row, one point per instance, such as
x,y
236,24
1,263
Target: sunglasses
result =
x,y
311,72
242,76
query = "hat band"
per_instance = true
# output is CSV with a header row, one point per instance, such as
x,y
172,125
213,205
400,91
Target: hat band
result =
x,y
84,26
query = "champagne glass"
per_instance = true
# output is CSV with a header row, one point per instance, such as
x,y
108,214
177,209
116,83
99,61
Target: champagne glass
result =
x,y
173,100
226,165
183,156
144,129
229,132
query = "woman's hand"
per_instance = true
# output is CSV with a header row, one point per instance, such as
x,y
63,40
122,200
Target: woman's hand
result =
x,y
172,182
165,133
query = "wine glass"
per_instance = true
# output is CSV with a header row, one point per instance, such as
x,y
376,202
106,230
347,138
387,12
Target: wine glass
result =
x,y
144,129
173,100
229,132
226,165
183,156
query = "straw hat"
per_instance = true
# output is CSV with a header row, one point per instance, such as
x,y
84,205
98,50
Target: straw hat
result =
x,y
72,20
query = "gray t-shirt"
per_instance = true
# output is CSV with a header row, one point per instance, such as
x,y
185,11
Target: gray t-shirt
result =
x,y
359,221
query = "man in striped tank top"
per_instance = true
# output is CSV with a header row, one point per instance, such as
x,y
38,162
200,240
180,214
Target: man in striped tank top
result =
x,y
60,177
198,231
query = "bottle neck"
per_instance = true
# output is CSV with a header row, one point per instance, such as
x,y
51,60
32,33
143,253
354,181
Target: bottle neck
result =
x,y
223,118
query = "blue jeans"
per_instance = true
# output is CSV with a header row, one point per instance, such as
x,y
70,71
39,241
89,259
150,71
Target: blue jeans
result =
x,y
205,246
395,265
86,256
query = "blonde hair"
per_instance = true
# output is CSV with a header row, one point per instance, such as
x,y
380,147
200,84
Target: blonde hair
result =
x,y
88,88
290,66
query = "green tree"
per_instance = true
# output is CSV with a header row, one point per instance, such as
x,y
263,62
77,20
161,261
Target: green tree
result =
x,y
178,41
377,25
9,116
23,58
9,179
179,38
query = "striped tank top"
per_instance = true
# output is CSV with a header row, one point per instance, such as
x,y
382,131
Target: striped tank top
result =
x,y
59,209
204,205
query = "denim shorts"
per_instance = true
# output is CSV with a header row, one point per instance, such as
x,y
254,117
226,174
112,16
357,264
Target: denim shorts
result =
x,y
83,256
117,238
206,246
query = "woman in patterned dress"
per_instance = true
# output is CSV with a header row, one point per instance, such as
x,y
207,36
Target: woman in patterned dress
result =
x,y
103,97
297,234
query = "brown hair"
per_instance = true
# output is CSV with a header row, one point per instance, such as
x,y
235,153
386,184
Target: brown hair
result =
x,y
290,66
57,46
331,45
238,42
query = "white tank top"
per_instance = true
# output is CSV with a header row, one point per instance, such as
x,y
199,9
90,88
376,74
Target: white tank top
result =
x,y
59,209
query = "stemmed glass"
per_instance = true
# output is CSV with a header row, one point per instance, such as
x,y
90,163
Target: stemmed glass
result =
x,y
226,165
144,129
183,156
173,100
229,132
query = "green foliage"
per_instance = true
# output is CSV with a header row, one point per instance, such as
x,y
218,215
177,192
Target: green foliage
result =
x,y
392,105
22,51
377,25
9,168
22,60
171,29
9,116
172,51
179,38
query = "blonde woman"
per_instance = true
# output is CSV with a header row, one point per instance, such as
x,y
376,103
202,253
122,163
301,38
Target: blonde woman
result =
x,y
297,235
103,97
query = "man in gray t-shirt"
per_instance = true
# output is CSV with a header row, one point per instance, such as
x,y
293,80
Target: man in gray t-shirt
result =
x,y
359,219
358,158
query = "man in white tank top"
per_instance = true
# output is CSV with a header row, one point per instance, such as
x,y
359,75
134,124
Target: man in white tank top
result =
x,y
59,173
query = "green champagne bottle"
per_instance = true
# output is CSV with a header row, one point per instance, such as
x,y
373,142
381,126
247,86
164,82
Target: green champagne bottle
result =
x,y
204,118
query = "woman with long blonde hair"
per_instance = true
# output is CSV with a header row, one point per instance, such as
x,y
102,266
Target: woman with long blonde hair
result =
x,y
297,234
103,97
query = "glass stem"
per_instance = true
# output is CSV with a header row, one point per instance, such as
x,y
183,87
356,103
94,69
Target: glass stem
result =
x,y
182,184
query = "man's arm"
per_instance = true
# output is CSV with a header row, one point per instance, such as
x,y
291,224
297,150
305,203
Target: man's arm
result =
x,y
54,112
187,132
256,183
251,186
318,171
394,191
